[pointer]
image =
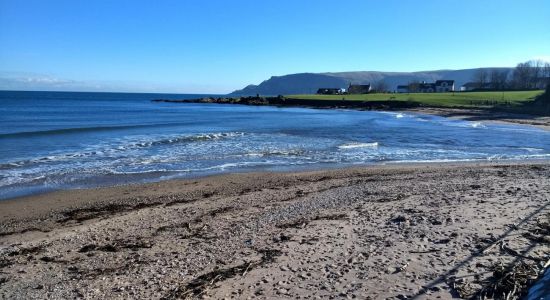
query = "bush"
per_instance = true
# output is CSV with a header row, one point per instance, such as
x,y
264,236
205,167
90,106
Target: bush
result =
x,y
543,101
544,97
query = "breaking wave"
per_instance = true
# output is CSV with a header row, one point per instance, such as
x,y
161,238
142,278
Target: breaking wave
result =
x,y
109,150
358,145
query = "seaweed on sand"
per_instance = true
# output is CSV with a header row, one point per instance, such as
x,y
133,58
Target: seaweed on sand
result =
x,y
200,285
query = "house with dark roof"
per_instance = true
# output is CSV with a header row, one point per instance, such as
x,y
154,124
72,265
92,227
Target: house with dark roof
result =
x,y
439,86
443,86
359,89
425,87
330,91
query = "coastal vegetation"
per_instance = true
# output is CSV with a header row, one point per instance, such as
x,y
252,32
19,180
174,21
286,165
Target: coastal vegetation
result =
x,y
451,99
531,102
542,102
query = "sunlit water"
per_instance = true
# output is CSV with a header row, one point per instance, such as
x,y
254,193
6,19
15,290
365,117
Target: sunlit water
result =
x,y
52,141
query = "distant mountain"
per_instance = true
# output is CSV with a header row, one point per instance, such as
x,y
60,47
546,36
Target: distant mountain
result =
x,y
309,83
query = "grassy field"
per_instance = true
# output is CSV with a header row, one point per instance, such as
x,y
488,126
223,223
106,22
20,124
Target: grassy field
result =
x,y
457,99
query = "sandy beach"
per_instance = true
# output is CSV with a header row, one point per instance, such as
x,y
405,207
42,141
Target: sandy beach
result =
x,y
275,150
420,231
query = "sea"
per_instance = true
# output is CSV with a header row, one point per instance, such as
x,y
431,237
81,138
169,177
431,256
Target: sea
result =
x,y
70,140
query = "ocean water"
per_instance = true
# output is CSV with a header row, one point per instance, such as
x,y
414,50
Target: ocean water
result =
x,y
52,140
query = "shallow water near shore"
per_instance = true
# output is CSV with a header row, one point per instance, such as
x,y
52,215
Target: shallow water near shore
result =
x,y
53,141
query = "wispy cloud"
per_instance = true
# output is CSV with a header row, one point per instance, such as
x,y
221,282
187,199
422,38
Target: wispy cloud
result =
x,y
27,81
33,81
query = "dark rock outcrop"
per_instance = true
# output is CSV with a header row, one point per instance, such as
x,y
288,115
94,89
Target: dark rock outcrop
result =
x,y
284,101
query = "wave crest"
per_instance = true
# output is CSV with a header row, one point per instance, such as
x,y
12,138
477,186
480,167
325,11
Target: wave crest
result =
x,y
121,148
358,145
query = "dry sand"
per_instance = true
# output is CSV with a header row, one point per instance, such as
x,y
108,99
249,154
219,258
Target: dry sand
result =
x,y
415,231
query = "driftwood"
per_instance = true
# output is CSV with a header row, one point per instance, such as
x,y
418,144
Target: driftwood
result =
x,y
425,251
509,283
201,284
500,241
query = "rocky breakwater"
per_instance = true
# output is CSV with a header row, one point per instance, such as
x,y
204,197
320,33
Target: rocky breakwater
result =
x,y
294,102
222,100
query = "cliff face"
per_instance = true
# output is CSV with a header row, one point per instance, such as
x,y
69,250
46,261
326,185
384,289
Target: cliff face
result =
x,y
308,83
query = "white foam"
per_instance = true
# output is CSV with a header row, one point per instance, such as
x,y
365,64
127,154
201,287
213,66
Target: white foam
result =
x,y
477,124
358,145
297,152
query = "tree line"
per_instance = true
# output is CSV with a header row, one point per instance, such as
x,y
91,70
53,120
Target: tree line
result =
x,y
529,75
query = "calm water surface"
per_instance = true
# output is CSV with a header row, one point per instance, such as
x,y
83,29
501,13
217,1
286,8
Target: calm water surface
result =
x,y
52,141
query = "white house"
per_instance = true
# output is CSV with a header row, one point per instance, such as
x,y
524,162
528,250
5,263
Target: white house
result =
x,y
442,86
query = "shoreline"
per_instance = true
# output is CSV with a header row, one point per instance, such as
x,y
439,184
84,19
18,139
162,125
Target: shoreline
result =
x,y
415,230
40,197
41,200
260,170
462,113
478,115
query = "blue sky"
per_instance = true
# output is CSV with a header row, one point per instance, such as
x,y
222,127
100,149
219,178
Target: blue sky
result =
x,y
204,46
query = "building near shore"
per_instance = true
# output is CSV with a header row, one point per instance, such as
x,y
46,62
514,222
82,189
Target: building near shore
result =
x,y
359,88
330,91
425,87
443,86
439,86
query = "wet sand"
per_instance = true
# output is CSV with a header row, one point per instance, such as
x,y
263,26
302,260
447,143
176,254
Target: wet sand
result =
x,y
400,231
479,115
